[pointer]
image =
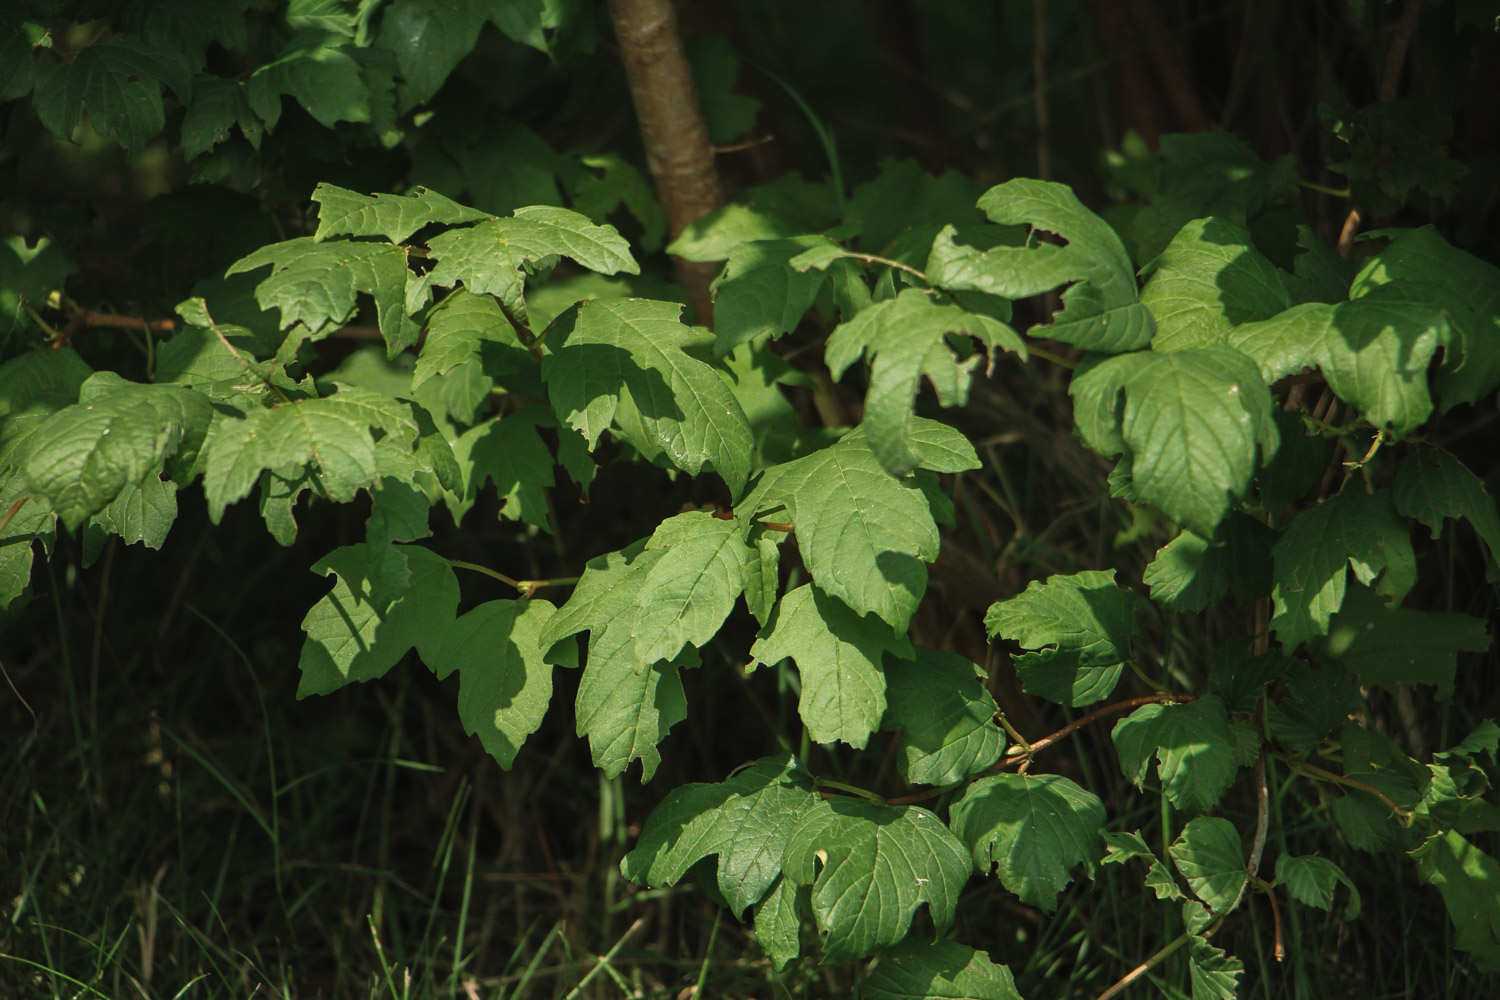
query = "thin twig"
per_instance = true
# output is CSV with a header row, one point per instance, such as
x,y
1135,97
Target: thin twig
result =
x,y
1313,771
1140,970
10,514
525,587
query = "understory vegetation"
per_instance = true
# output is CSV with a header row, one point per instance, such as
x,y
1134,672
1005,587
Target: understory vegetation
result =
x,y
560,498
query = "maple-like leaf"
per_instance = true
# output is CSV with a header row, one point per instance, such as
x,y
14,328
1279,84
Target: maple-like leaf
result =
x,y
945,717
342,212
1191,744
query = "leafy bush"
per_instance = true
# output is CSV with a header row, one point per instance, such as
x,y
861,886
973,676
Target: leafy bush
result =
x,y
1288,431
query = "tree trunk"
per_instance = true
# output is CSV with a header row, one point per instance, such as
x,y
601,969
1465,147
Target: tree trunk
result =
x,y
678,152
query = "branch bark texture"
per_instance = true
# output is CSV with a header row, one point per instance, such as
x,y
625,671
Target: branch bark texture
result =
x,y
678,152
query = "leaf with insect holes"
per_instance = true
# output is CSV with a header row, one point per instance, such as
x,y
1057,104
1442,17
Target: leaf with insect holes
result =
x,y
743,822
318,284
838,655
1374,351
1195,426
1192,746
1209,279
1353,530
342,212
863,534
385,600
1102,309
604,350
118,434
945,717
490,258
504,671
1210,856
1078,627
1031,830
870,867
905,339
919,969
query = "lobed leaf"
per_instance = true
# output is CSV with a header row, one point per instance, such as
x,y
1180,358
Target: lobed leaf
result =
x,y
342,212
1208,280
945,717
1210,856
1191,743
1432,486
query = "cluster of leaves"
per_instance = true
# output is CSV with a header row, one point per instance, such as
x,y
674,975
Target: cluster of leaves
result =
x,y
1270,416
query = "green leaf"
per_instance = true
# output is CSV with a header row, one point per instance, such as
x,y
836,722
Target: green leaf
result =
x,y
1468,879
905,340
1190,573
342,212
1317,699
1310,880
924,969
716,69
428,40
117,435
758,295
744,821
1467,288
1192,425
863,534
385,600
1374,351
1353,530
1191,744
492,257
218,105
33,386
940,448
688,593
838,655
1431,486
1390,646
1213,972
713,236
1123,847
608,349
316,284
118,81
945,717
509,453
1031,830
319,73
903,196
625,705
330,437
778,921
18,70
504,672
1209,279
870,867
142,512
1102,310
1079,627
1210,856
28,275
30,521
461,331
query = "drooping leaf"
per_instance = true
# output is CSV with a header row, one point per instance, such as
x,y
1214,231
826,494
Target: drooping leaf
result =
x,y
759,295
945,717
778,921
428,39
1390,646
870,867
1078,628
142,512
1209,279
1031,830
744,821
838,655
1194,427
385,600
1431,486
905,340
119,82
218,106
117,435
317,284
492,256
504,671
1123,847
925,969
1354,530
33,386
863,534
1373,350
1102,309
688,593
508,453
342,212
1210,856
1469,881
1311,880
320,74
608,349
29,521
1468,290
1191,743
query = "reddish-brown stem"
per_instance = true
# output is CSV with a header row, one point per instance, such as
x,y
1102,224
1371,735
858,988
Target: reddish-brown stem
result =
x,y
15,508
1279,948
1313,771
